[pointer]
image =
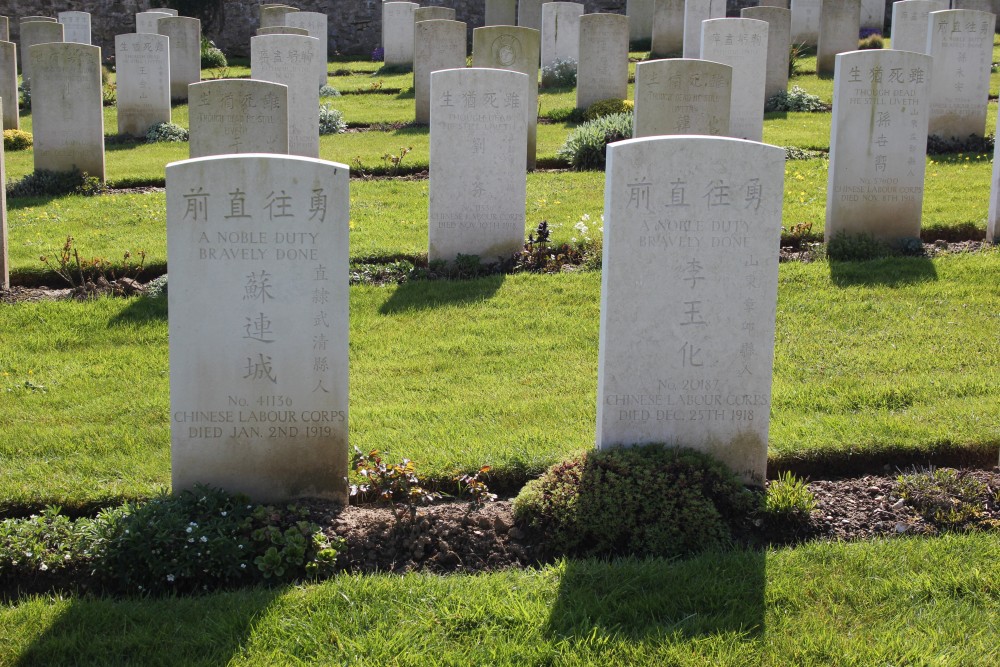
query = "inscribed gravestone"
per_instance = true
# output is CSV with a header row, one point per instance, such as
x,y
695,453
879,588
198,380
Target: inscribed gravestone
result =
x,y
682,96
437,45
805,22
640,19
397,33
478,152
840,24
433,13
8,85
603,69
36,32
516,49
146,22
873,14
185,52
288,59
993,219
317,26
275,15
910,19
501,12
282,30
696,11
668,28
67,108
529,13
560,32
961,43
258,325
779,26
878,144
4,266
741,44
143,82
690,364
231,116
76,26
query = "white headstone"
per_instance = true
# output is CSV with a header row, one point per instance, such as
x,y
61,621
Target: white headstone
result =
x,y
76,26
779,27
165,10
4,265
36,32
640,19
437,45
478,152
397,33
185,52
682,96
272,59
696,11
258,325
232,116
910,21
993,219
689,296
516,49
873,14
560,32
275,15
603,69
148,21
8,85
317,26
529,13
805,22
977,5
501,12
67,108
30,19
840,25
741,44
282,30
668,29
878,144
142,62
961,43
433,14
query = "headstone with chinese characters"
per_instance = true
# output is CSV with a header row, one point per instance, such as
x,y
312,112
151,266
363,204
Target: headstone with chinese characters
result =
x,y
993,219
873,15
316,24
689,296
741,44
603,69
165,10
288,60
805,22
185,52
8,85
76,27
258,325
515,49
910,19
36,32
437,45
560,33
232,116
696,11
779,27
529,13
433,13
961,43
501,12
640,20
282,30
142,62
275,15
67,108
478,152
840,24
149,21
878,144
668,29
397,33
682,96
4,265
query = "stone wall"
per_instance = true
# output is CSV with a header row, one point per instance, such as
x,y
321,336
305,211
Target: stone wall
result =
x,y
355,25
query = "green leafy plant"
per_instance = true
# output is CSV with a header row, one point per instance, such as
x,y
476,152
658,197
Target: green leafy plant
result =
x,y
788,498
328,91
796,52
109,90
24,95
873,41
937,145
947,498
80,272
475,488
331,121
390,483
586,146
17,140
43,183
608,107
166,132
795,100
560,73
645,501
211,56
539,255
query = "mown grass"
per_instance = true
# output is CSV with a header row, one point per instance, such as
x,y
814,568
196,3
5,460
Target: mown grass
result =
x,y
906,601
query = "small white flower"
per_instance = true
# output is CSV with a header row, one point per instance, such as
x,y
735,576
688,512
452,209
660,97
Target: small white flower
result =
x,y
204,539
43,567
243,566
585,217
189,529
170,578
224,513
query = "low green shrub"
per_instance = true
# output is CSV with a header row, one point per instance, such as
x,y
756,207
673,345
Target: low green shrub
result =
x,y
586,146
608,107
559,74
874,41
937,145
788,499
166,132
331,121
17,140
328,91
947,498
795,100
644,501
44,183
211,56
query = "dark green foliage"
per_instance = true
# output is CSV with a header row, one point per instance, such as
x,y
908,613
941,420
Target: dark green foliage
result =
x,y
168,132
644,501
44,183
566,115
846,247
972,144
911,245
586,147
947,498
541,257
795,99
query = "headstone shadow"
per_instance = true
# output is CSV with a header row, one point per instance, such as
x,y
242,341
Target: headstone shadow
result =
x,y
890,272
143,310
428,294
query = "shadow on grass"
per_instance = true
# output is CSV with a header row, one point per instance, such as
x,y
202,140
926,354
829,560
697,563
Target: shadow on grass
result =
x,y
206,630
426,294
711,594
143,310
891,272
